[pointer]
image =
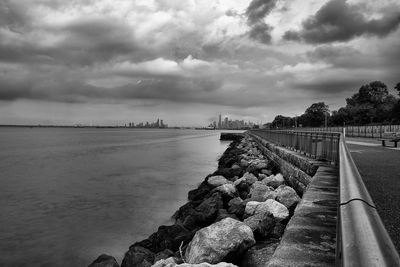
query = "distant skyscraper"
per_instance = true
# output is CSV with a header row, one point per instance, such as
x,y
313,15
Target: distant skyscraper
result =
x,y
226,124
219,122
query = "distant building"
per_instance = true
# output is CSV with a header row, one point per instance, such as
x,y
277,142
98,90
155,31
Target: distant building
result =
x,y
219,122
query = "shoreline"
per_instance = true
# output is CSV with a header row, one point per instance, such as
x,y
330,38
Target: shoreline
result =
x,y
245,194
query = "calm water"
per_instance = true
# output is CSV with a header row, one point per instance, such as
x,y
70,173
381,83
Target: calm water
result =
x,y
68,195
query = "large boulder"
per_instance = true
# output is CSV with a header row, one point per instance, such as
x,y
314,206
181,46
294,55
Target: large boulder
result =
x,y
262,224
138,256
260,192
169,262
200,193
274,180
287,196
104,261
223,213
218,180
225,239
277,209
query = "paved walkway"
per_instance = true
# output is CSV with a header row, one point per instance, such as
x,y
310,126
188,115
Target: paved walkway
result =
x,y
380,169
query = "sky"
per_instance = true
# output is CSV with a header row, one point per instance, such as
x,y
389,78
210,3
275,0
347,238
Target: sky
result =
x,y
110,62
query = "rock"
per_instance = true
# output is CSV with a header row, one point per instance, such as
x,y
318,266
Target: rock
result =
x,y
204,264
250,178
274,180
244,163
278,230
207,210
227,190
225,239
222,214
170,237
258,191
169,262
266,172
261,176
228,173
104,261
200,193
236,206
242,187
218,180
262,224
138,257
163,255
236,167
287,196
277,209
260,254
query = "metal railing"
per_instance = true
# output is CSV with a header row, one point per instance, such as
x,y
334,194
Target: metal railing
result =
x,y
375,131
362,239
317,145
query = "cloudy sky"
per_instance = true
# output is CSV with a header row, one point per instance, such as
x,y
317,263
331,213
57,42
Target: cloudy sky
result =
x,y
114,61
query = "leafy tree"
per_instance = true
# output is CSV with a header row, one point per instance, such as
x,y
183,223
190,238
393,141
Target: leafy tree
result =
x,y
315,115
397,87
340,117
282,122
372,103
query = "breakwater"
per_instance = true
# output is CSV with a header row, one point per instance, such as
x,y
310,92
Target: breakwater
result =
x,y
236,216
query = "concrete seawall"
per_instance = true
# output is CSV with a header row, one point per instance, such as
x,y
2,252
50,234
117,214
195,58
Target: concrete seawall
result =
x,y
310,236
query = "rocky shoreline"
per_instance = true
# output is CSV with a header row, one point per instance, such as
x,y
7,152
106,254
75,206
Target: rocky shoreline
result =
x,y
235,217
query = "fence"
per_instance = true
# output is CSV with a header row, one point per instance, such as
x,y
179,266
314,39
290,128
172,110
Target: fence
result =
x,y
317,145
362,239
359,131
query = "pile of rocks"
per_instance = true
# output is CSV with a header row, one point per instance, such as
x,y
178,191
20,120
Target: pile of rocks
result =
x,y
236,216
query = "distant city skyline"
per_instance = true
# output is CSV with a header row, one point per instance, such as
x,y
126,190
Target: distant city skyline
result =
x,y
108,63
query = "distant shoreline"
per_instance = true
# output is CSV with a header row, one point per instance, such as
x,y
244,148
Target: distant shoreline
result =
x,y
108,127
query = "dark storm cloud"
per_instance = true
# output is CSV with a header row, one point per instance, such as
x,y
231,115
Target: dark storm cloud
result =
x,y
256,12
339,21
326,86
259,9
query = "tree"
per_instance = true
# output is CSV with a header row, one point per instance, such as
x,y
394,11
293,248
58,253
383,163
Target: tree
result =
x,y
372,103
315,115
397,87
340,117
281,121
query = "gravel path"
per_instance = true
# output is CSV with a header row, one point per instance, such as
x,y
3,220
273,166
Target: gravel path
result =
x,y
380,169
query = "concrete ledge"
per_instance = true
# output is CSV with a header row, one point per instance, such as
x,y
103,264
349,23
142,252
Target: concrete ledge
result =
x,y
296,168
310,237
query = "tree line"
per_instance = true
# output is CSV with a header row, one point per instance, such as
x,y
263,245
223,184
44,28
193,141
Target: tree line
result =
x,y
371,105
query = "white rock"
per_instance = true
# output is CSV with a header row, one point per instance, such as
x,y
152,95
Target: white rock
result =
x,y
287,196
277,209
227,189
217,180
274,180
250,178
213,243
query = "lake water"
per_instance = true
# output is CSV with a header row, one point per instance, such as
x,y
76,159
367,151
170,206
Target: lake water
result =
x,y
69,195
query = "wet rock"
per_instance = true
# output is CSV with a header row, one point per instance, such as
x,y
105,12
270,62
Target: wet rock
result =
x,y
204,264
228,173
260,254
138,256
242,187
200,193
226,239
236,206
274,180
216,181
207,210
262,224
287,196
104,261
